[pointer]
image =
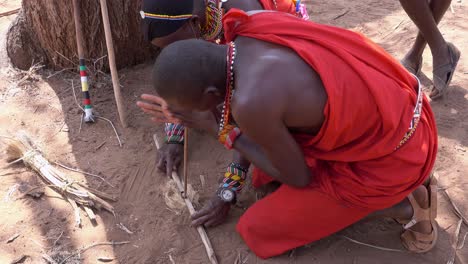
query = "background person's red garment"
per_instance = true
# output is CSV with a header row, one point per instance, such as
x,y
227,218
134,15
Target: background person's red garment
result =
x,y
371,99
281,5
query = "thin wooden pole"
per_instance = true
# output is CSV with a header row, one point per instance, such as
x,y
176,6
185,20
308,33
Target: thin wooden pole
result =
x,y
186,131
113,68
78,28
87,106
201,230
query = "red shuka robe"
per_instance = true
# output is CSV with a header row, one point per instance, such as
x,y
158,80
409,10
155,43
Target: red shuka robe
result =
x,y
371,99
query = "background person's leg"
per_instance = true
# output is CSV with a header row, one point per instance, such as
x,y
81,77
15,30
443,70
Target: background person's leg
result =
x,y
426,16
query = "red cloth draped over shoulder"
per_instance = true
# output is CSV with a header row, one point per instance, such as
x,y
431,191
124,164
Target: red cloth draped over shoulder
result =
x,y
281,5
371,99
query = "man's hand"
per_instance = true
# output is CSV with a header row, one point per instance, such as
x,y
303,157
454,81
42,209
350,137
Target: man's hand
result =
x,y
213,213
157,108
170,157
161,113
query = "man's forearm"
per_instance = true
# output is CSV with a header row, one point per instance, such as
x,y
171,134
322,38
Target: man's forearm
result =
x,y
241,160
251,152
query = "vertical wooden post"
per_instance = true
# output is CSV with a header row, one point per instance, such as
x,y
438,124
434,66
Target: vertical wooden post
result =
x,y
113,67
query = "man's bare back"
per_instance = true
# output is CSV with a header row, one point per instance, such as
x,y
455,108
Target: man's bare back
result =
x,y
295,91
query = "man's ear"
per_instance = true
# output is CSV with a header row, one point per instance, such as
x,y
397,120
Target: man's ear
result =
x,y
213,91
195,26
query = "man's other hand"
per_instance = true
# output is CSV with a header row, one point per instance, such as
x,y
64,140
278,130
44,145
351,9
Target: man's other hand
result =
x,y
169,157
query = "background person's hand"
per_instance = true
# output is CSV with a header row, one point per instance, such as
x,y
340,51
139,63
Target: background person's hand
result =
x,y
169,157
214,212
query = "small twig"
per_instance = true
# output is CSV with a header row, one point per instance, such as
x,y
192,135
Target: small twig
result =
x,y
100,145
99,193
86,173
455,208
453,254
49,259
100,117
76,210
58,238
124,228
372,246
12,162
81,122
12,238
186,131
341,15
113,127
59,72
394,28
171,259
81,251
105,259
202,180
63,56
20,259
9,13
74,96
96,61
90,213
462,243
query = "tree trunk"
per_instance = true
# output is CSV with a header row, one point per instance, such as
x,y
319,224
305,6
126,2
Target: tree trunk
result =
x,y
44,32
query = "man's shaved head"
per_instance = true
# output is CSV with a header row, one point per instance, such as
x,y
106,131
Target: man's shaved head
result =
x,y
185,69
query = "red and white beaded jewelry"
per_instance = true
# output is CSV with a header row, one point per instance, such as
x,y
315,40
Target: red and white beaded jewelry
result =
x,y
224,128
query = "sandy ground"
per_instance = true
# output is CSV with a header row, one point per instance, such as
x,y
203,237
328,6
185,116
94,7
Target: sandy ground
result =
x,y
157,230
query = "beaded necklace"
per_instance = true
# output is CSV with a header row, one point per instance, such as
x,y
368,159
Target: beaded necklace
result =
x,y
213,27
230,58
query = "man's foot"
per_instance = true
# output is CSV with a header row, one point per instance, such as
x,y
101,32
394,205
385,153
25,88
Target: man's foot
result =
x,y
444,68
412,65
420,233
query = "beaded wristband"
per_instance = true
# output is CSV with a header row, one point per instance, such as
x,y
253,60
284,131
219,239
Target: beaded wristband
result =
x,y
228,136
174,133
234,178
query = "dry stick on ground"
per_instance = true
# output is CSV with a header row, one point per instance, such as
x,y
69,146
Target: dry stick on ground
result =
x,y
86,173
100,146
20,259
9,13
80,251
63,56
462,243
455,208
49,259
28,74
341,15
394,28
372,246
22,146
453,254
186,131
100,117
201,230
59,72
